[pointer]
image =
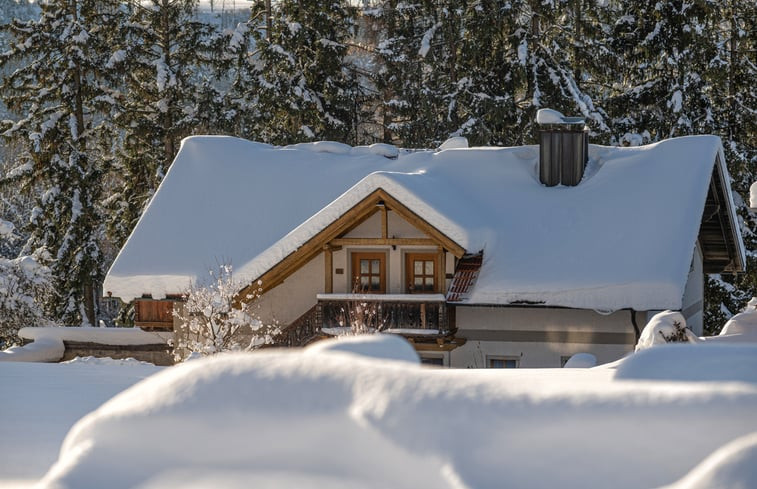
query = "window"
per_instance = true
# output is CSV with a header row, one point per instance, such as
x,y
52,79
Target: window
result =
x,y
420,272
369,273
503,362
433,361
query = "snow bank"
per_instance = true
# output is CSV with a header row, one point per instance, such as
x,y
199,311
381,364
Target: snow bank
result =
x,y
104,336
279,418
98,361
734,466
379,346
41,350
663,326
686,362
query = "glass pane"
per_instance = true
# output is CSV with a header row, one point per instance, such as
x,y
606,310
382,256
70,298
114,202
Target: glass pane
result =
x,y
429,267
364,266
375,266
418,282
375,282
364,281
429,284
418,267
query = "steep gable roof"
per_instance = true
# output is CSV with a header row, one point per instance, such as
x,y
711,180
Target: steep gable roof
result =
x,y
624,237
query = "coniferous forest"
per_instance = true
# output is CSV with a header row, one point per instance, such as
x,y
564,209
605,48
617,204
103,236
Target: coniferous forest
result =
x,y
96,96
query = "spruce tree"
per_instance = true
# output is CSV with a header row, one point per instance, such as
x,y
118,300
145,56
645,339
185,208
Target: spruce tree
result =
x,y
60,93
166,56
305,87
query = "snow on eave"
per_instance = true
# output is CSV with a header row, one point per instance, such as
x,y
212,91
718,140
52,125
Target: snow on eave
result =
x,y
380,180
736,229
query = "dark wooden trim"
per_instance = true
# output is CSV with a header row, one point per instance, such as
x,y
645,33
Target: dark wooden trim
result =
x,y
520,336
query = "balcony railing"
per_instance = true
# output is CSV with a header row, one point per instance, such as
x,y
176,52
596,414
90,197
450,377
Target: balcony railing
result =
x,y
383,312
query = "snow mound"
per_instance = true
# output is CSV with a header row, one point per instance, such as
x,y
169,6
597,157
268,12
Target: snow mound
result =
x,y
275,418
662,326
685,362
743,323
733,466
457,142
6,228
581,360
379,346
41,350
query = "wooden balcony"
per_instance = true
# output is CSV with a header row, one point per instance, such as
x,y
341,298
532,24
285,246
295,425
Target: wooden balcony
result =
x,y
405,313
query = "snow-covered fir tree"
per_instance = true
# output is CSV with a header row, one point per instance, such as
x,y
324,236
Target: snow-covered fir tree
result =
x,y
305,87
61,93
165,56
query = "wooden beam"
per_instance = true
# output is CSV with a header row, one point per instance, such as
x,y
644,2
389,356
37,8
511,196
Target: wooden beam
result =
x,y
348,221
328,270
441,281
384,223
383,242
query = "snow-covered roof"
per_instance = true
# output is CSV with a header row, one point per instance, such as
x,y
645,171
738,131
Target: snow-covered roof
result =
x,y
624,237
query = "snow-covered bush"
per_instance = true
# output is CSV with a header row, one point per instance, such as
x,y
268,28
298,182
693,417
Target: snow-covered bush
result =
x,y
666,327
213,320
24,285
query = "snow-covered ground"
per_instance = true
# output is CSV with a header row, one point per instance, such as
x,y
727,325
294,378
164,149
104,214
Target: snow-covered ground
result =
x,y
333,415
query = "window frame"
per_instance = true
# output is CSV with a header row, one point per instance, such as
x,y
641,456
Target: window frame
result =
x,y
504,358
410,258
356,257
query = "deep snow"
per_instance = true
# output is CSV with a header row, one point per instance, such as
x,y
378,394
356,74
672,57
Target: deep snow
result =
x,y
329,416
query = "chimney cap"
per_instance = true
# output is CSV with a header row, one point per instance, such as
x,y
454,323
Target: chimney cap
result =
x,y
551,117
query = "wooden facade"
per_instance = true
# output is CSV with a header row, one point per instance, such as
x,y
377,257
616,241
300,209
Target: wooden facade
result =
x,y
154,314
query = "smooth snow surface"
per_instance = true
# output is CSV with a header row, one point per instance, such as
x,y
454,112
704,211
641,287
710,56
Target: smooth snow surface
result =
x,y
40,402
323,418
753,195
104,336
379,346
623,238
687,362
41,350
660,326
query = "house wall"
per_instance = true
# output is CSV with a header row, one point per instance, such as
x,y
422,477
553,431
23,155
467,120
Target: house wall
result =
x,y
293,297
693,296
540,337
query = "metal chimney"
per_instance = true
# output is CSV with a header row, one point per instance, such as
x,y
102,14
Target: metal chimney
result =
x,y
563,148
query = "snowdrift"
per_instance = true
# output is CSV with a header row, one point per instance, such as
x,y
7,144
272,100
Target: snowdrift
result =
x,y
328,418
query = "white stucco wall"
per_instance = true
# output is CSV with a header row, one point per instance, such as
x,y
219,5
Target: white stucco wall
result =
x,y
539,337
693,296
293,297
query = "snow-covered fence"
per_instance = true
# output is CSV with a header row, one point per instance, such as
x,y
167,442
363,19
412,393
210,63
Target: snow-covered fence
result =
x,y
53,344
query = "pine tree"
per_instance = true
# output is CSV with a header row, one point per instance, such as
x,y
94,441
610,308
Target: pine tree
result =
x,y
304,84
665,48
167,56
60,94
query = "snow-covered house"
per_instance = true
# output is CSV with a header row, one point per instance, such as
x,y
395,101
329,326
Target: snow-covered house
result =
x,y
468,252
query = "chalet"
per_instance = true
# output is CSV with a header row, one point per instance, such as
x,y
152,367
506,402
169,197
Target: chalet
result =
x,y
482,257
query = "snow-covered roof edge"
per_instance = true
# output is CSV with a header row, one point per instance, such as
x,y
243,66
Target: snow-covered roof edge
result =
x,y
336,209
